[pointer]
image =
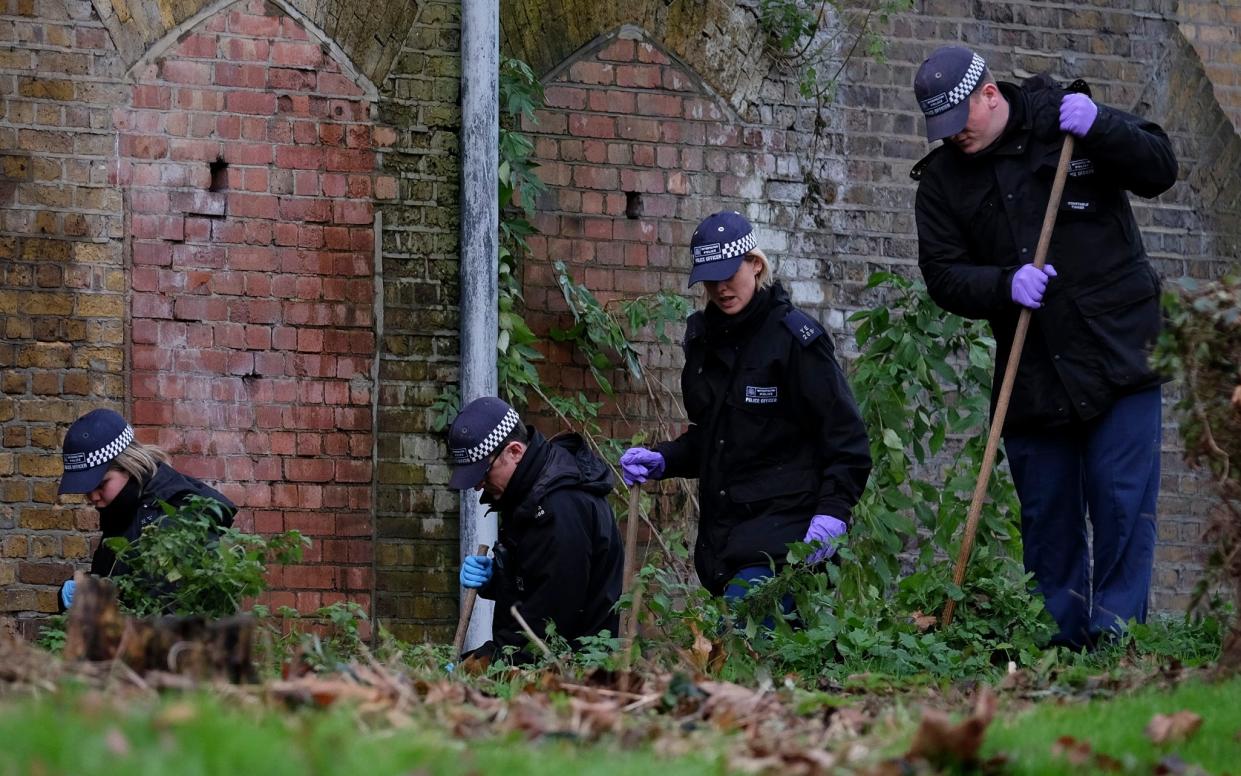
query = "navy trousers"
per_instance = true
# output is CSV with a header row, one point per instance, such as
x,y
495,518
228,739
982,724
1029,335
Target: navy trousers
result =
x,y
1106,469
750,575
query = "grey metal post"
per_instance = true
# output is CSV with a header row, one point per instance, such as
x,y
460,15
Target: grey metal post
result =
x,y
480,160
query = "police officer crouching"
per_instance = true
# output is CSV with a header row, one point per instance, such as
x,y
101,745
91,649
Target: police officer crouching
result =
x,y
775,439
559,555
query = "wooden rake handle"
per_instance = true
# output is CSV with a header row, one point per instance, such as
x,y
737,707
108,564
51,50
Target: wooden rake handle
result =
x,y
1006,387
467,609
630,625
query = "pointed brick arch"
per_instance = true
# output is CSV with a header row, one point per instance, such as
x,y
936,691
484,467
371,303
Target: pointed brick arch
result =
x,y
635,149
368,36
721,41
248,159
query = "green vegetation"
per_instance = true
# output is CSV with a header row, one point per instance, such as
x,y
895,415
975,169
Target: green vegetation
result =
x,y
187,564
78,734
1035,742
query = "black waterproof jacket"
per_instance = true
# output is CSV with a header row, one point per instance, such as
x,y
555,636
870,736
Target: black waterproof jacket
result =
x,y
774,437
138,505
979,218
559,556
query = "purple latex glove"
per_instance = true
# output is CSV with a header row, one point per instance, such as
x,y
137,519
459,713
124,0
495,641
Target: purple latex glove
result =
x,y
639,465
823,529
1029,283
1077,114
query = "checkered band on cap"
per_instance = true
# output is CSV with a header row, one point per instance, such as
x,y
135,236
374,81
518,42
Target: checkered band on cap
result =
x,y
709,252
467,455
82,461
940,103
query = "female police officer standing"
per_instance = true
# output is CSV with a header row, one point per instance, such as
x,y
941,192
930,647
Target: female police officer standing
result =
x,y
774,439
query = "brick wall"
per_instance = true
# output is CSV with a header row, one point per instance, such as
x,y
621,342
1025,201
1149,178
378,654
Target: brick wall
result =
x,y
416,551
248,164
1214,30
193,247
636,151
62,280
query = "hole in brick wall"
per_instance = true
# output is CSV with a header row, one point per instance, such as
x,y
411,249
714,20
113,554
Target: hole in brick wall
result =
x,y
633,205
219,175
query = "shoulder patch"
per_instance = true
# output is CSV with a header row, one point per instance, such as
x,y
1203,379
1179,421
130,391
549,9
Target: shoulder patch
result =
x,y
805,329
916,171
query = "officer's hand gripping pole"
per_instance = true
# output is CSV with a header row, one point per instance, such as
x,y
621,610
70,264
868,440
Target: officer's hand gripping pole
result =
x,y
467,609
1006,387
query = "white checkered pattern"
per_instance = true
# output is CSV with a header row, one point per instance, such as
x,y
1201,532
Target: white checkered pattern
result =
x,y
739,247
968,81
490,442
74,462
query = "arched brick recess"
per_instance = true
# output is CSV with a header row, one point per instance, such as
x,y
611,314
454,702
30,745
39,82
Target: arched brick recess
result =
x,y
720,40
248,161
370,36
628,126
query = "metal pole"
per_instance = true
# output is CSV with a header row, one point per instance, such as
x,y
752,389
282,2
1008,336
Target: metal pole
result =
x,y
480,161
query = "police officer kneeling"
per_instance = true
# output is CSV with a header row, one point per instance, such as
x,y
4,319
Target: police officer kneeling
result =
x,y
559,555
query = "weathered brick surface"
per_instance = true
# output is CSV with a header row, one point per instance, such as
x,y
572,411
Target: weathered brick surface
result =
x,y
416,553
194,249
252,240
62,278
1214,30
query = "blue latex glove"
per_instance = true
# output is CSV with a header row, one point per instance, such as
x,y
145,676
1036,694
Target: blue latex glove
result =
x,y
823,529
639,465
66,593
1077,114
475,571
1029,283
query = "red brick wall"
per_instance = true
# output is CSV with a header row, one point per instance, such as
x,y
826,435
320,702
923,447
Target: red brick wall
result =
x,y
626,122
252,288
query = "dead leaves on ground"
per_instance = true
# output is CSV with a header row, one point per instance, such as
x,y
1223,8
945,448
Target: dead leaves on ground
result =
x,y
1172,728
943,743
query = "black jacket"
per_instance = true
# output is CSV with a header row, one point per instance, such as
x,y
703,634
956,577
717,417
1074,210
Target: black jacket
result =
x,y
137,506
559,556
774,437
167,484
979,218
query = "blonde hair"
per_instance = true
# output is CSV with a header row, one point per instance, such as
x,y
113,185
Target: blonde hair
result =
x,y
139,461
766,276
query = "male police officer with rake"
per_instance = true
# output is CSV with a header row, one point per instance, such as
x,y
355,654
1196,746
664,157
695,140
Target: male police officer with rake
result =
x,y
559,555
1083,431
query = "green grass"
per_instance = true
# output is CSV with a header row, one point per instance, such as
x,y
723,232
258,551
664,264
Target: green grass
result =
x,y
75,735
1116,727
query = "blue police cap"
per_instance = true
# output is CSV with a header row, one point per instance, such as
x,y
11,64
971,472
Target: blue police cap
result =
x,y
719,245
474,435
92,442
943,85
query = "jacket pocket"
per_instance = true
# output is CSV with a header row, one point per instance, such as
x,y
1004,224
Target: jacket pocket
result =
x,y
774,484
1124,318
